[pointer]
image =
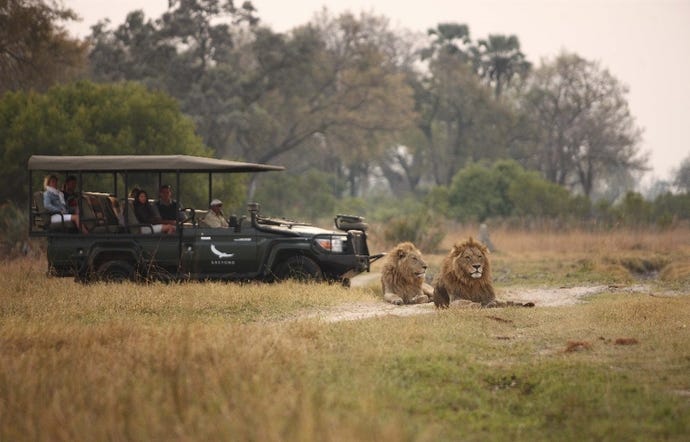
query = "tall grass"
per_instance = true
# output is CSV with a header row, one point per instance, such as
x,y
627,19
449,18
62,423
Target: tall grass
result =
x,y
215,361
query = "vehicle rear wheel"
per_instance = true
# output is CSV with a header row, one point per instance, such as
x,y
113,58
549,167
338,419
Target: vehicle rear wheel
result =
x,y
300,268
116,271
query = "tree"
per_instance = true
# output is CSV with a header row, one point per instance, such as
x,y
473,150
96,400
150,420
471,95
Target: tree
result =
x,y
682,176
83,119
129,53
189,52
329,90
35,50
498,59
460,120
584,121
449,39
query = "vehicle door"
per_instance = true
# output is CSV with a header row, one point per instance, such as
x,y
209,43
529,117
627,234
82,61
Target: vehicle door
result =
x,y
219,253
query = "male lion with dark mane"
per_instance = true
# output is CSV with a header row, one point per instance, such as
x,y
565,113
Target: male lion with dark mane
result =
x,y
465,278
403,274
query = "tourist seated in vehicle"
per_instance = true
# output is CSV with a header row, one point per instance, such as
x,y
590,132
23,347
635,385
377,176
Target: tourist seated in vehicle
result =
x,y
146,214
56,205
168,208
69,189
215,216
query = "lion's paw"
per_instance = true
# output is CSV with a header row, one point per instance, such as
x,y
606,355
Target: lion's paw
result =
x,y
393,299
421,299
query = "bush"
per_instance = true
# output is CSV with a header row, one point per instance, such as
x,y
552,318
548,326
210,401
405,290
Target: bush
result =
x,y
14,238
533,196
508,190
668,208
474,194
420,228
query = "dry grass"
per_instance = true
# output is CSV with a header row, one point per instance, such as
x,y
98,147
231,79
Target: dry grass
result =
x,y
219,361
578,256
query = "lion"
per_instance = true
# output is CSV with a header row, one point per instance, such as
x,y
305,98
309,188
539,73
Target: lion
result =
x,y
403,275
465,278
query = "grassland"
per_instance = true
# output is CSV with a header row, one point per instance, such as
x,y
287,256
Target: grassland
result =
x,y
217,361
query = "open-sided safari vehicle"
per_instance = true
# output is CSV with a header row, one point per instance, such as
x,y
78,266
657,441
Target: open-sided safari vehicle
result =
x,y
118,247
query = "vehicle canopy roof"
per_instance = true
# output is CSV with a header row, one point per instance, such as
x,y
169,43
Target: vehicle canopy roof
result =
x,y
153,163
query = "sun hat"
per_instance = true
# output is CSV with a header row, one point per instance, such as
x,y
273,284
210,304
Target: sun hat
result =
x,y
216,202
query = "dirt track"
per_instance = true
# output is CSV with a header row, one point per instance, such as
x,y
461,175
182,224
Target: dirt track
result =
x,y
542,297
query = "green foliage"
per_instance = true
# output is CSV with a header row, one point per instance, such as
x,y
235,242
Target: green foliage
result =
x,y
668,207
498,59
584,123
682,176
634,209
407,219
84,119
35,51
533,196
665,211
437,200
476,193
303,197
420,228
14,235
506,189
262,96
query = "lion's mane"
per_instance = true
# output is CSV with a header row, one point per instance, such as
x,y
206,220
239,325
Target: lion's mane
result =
x,y
402,277
465,274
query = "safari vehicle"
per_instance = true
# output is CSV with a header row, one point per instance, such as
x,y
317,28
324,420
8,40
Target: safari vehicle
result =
x,y
118,247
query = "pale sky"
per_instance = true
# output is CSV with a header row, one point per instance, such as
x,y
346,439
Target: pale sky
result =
x,y
643,43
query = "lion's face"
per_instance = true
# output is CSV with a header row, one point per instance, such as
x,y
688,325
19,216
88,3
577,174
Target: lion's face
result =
x,y
403,274
471,260
465,275
412,263
409,260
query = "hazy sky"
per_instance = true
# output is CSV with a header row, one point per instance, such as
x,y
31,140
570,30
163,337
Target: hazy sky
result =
x,y
643,43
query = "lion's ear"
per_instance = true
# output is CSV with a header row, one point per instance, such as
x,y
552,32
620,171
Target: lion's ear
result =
x,y
401,254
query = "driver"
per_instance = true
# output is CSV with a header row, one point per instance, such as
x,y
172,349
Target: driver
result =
x,y
215,217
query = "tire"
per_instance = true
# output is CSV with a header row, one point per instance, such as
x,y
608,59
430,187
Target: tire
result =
x,y
300,268
116,271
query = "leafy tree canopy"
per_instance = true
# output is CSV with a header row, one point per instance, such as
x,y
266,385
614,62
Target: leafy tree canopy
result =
x,y
84,119
35,50
585,125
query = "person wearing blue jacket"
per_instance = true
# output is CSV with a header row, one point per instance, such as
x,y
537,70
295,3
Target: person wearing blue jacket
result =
x,y
54,202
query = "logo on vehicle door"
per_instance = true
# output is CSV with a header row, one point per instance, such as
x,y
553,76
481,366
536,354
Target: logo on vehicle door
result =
x,y
219,254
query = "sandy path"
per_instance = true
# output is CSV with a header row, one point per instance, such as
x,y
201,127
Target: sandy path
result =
x,y
542,297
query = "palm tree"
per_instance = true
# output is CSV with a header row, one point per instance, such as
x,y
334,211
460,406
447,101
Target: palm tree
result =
x,y
450,39
498,59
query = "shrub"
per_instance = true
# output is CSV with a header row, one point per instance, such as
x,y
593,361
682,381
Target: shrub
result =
x,y
14,235
420,228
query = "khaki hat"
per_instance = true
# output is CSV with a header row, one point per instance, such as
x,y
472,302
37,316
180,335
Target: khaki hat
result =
x,y
216,202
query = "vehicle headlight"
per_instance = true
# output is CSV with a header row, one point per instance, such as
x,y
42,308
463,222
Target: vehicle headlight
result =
x,y
332,243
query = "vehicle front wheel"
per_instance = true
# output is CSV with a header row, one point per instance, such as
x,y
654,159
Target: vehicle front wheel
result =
x,y
116,271
300,268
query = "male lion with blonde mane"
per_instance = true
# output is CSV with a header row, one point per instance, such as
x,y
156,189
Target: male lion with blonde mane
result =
x,y
465,278
403,275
